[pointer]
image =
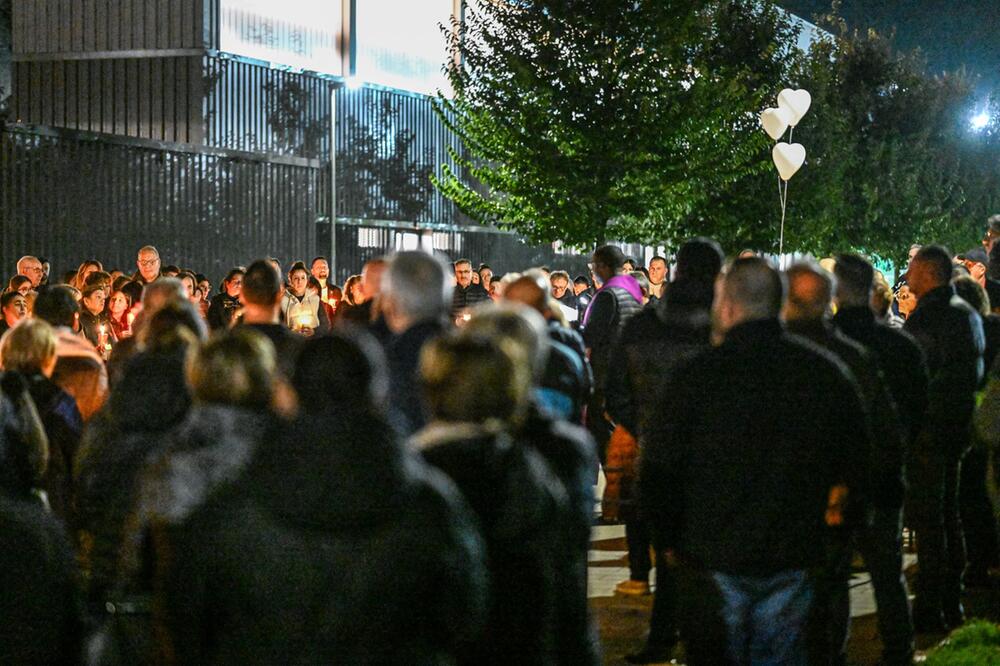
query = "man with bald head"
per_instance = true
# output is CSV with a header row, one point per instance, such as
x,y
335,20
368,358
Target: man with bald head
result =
x,y
31,268
807,313
737,470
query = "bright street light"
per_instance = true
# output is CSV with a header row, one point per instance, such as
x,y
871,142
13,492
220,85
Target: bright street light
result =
x,y
980,121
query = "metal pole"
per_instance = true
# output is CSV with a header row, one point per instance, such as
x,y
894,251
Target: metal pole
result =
x,y
333,183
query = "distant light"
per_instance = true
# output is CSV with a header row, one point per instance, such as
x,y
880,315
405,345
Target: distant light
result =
x,y
981,121
353,83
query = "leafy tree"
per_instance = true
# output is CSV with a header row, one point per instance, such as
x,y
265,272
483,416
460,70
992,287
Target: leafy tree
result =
x,y
584,120
891,160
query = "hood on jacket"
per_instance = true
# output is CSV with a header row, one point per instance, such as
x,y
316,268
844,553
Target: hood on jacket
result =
x,y
210,449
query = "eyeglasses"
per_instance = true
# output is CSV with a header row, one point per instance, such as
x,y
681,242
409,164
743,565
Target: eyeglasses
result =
x,y
148,262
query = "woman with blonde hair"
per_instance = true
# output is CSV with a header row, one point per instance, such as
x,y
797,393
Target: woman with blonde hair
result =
x,y
477,390
79,280
30,349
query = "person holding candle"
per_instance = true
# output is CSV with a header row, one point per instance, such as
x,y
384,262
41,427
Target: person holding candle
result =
x,y
94,321
119,307
224,305
300,310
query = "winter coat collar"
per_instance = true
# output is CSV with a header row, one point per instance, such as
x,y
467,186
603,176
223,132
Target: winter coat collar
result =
x,y
437,433
211,448
751,332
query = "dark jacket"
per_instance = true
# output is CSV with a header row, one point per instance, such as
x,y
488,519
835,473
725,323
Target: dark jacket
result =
x,y
571,455
117,444
652,345
287,345
211,448
24,447
517,501
572,339
564,386
90,326
900,359
337,546
886,487
569,299
403,357
737,467
220,311
474,294
63,428
951,334
39,606
609,312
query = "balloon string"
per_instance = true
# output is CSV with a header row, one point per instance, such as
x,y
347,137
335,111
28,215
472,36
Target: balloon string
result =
x,y
783,196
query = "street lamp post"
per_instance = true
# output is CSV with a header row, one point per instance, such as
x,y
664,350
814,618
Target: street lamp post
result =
x,y
333,180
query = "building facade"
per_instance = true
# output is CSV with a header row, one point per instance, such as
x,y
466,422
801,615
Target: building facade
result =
x,y
213,129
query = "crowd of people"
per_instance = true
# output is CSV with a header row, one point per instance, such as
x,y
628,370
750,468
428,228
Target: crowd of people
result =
x,y
403,470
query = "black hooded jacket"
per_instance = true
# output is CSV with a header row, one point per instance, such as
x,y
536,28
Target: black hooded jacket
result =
x,y
336,546
511,490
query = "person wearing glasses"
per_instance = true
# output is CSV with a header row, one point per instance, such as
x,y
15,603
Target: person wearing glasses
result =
x,y
148,263
31,268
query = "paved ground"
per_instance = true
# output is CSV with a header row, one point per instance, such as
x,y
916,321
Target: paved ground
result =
x,y
623,621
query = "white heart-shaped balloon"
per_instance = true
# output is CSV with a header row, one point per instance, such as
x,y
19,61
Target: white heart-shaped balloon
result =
x,y
775,122
789,158
796,102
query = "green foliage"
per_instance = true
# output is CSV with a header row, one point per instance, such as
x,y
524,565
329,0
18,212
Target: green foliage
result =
x,y
975,644
584,120
587,120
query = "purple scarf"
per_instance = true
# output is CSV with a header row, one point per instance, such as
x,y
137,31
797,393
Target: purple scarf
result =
x,y
626,282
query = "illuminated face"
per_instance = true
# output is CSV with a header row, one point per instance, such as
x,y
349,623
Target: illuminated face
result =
x,y
579,288
559,287
188,286
321,270
95,302
486,277
16,310
24,289
299,280
32,270
235,285
463,274
149,265
206,288
118,304
657,271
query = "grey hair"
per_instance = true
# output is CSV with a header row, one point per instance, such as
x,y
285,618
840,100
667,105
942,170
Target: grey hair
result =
x,y
418,284
519,323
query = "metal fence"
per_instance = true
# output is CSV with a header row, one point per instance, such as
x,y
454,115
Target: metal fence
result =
x,y
69,196
358,242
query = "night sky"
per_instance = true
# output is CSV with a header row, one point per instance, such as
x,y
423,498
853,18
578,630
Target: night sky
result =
x,y
951,33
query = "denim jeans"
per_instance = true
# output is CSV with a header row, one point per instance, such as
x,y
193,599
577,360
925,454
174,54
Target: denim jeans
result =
x,y
736,619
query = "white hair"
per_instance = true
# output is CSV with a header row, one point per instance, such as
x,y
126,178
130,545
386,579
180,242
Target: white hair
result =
x,y
418,284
